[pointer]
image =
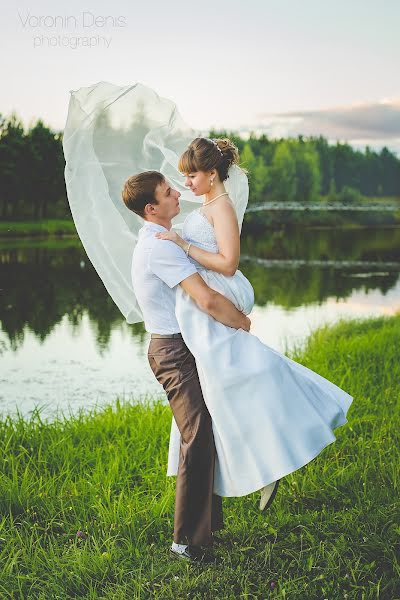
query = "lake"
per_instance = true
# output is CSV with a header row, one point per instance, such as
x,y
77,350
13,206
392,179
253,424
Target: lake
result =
x,y
64,344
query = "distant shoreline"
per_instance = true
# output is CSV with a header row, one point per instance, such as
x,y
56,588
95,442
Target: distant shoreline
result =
x,y
65,229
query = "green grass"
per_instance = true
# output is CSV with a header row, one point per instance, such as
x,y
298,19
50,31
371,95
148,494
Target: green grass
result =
x,y
332,531
47,227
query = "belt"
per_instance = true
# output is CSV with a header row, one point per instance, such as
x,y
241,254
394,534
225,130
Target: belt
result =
x,y
166,335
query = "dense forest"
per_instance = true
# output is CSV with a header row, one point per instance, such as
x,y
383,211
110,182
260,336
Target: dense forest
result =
x,y
304,169
289,169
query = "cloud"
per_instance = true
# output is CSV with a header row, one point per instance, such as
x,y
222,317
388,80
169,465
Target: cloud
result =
x,y
375,124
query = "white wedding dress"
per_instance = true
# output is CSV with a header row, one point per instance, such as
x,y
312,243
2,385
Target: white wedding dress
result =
x,y
270,414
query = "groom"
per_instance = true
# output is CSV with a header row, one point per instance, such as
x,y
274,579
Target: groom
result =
x,y
158,266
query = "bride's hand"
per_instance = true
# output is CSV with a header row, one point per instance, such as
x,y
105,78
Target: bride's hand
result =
x,y
172,236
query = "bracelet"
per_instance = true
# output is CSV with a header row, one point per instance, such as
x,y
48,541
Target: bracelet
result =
x,y
187,249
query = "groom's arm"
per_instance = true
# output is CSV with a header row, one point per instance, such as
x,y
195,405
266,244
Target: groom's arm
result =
x,y
170,263
214,303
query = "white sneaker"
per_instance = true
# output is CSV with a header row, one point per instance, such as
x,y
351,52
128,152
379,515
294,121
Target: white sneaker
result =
x,y
179,547
268,493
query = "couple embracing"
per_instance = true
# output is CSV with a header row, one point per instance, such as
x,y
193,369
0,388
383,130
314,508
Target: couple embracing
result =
x,y
244,414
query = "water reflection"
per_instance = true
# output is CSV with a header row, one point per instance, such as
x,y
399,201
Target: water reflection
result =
x,y
64,342
299,267
43,282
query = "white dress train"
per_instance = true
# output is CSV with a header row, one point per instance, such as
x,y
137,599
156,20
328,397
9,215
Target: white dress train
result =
x,y
270,414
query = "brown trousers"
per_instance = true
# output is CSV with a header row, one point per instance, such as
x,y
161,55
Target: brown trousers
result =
x,y
198,511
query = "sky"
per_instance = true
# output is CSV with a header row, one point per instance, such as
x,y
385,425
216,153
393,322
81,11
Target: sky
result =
x,y
282,67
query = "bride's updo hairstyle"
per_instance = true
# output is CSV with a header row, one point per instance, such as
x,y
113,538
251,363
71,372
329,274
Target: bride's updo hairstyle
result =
x,y
205,154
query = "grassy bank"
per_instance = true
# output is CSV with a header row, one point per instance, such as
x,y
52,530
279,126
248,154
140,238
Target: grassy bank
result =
x,y
331,533
254,223
49,227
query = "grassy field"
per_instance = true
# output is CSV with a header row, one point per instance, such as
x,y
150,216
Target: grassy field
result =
x,y
49,227
87,509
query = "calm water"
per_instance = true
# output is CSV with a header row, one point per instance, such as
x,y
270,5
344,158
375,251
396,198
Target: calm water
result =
x,y
64,344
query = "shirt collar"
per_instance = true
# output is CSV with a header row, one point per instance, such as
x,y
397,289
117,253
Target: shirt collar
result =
x,y
148,225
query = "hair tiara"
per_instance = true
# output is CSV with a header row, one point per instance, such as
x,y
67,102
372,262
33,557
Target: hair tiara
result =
x,y
215,144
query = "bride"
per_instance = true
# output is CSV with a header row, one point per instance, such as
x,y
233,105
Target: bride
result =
x,y
270,415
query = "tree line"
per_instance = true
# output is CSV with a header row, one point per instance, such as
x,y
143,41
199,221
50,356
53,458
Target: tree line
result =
x,y
304,169
31,171
301,169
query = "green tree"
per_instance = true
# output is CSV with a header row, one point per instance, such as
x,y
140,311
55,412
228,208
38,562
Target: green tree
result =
x,y
45,169
261,181
347,166
283,173
332,195
326,163
308,175
13,158
247,158
390,173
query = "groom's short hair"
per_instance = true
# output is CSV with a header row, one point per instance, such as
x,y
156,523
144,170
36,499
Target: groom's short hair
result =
x,y
140,190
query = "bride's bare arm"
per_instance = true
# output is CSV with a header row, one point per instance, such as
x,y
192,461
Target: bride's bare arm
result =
x,y
226,228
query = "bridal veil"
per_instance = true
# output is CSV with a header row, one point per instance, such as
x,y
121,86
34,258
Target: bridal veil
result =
x,y
111,133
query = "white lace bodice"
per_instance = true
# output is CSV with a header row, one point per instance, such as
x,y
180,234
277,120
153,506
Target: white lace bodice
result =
x,y
237,288
198,230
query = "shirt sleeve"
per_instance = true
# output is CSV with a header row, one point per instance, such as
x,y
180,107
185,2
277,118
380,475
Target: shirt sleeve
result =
x,y
169,262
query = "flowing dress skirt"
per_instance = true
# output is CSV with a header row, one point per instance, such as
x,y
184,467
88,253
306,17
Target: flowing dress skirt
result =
x,y
270,414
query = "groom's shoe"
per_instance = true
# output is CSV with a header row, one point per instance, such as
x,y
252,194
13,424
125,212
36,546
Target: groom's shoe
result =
x,y
191,554
268,493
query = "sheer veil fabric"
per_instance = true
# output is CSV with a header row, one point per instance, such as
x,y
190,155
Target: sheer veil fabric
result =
x,y
111,133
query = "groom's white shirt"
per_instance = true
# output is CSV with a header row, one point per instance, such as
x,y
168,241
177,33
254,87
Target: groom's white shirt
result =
x,y
158,266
